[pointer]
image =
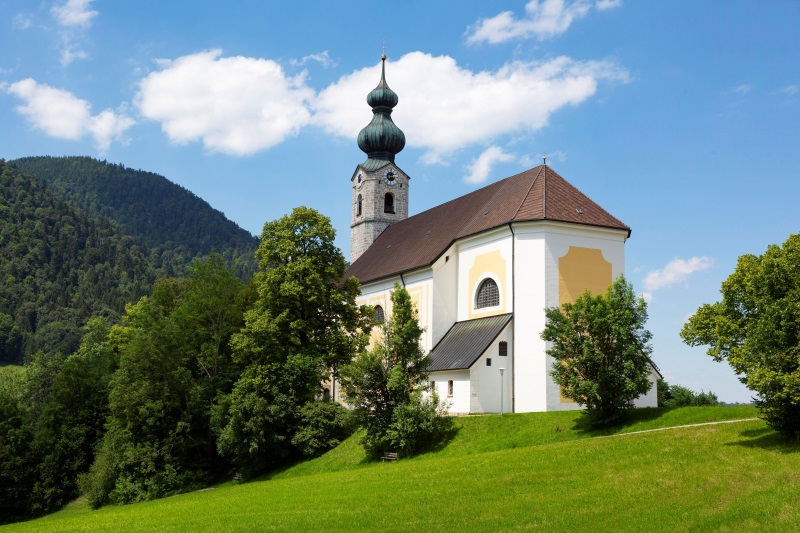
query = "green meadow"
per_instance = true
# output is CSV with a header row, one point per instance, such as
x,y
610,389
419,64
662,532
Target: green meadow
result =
x,y
535,471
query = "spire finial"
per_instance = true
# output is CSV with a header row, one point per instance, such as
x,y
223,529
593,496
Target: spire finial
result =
x,y
544,158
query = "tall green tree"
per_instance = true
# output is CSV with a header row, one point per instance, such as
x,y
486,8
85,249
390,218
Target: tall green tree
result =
x,y
175,365
600,350
756,329
303,326
388,386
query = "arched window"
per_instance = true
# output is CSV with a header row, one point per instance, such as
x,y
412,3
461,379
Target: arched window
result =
x,y
488,294
358,206
388,203
378,317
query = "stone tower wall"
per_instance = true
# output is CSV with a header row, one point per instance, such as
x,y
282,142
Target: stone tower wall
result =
x,y
365,228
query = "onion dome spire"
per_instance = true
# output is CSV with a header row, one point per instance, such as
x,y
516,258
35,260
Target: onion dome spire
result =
x,y
381,139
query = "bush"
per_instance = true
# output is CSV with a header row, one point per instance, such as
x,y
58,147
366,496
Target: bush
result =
x,y
417,424
323,425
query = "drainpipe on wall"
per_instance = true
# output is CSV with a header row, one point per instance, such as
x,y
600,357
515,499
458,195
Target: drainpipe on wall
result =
x,y
514,327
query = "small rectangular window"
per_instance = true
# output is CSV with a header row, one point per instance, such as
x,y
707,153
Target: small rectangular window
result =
x,y
488,361
450,388
502,349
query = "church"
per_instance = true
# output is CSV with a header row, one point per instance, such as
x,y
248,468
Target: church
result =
x,y
480,269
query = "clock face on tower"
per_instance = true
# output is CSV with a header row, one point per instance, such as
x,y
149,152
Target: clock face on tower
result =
x,y
359,180
390,176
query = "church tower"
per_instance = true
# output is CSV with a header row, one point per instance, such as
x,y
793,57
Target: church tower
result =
x,y
380,188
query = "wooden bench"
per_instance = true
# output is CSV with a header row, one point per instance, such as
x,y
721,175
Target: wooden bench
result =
x,y
389,456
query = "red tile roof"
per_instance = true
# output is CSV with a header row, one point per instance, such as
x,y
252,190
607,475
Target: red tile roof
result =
x,y
536,194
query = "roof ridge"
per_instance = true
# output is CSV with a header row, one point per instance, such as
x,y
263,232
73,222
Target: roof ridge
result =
x,y
525,196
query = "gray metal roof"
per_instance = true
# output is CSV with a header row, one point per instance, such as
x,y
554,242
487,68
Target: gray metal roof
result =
x,y
466,341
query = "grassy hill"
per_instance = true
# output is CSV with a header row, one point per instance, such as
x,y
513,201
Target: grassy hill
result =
x,y
543,470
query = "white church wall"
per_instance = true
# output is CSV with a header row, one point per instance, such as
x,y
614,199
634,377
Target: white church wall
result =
x,y
559,239
485,380
530,370
650,398
444,294
459,401
479,257
419,285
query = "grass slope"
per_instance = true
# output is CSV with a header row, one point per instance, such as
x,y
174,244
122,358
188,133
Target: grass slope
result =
x,y
492,476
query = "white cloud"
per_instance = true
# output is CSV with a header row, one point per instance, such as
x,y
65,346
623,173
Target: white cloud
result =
x,y
675,271
603,5
544,19
70,52
742,89
323,58
790,90
444,107
74,17
482,165
647,296
74,13
22,21
61,114
235,105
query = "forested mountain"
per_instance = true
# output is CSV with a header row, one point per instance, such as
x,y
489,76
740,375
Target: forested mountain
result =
x,y
58,267
167,218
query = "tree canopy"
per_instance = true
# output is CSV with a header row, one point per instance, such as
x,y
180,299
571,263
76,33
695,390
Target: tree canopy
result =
x,y
303,325
756,329
600,350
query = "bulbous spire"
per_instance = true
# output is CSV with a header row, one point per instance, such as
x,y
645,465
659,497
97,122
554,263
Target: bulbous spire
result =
x,y
381,139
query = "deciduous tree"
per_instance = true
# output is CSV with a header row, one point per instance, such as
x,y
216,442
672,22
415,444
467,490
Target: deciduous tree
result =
x,y
600,350
756,329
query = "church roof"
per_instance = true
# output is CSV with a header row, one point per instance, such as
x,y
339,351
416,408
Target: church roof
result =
x,y
464,343
536,194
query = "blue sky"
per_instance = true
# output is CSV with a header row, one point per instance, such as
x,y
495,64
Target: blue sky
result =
x,y
681,118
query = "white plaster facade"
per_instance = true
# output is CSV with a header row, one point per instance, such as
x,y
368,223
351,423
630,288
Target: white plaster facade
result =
x,y
523,258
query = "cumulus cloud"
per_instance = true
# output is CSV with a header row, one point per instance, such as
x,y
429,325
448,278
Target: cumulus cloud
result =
x,y
482,165
323,58
61,114
74,13
543,19
647,296
675,271
235,105
444,107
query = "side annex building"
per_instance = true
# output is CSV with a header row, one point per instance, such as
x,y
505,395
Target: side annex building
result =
x,y
480,269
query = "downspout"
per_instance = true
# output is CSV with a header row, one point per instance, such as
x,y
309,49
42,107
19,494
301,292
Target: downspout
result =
x,y
514,326
402,280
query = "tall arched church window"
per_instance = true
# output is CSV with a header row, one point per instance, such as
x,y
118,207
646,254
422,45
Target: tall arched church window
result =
x,y
488,294
388,203
358,206
378,317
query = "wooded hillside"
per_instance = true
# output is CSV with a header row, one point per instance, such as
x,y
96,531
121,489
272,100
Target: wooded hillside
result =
x,y
58,267
167,218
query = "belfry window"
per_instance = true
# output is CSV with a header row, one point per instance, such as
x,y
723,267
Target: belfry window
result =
x,y
388,203
502,349
378,317
488,294
358,206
